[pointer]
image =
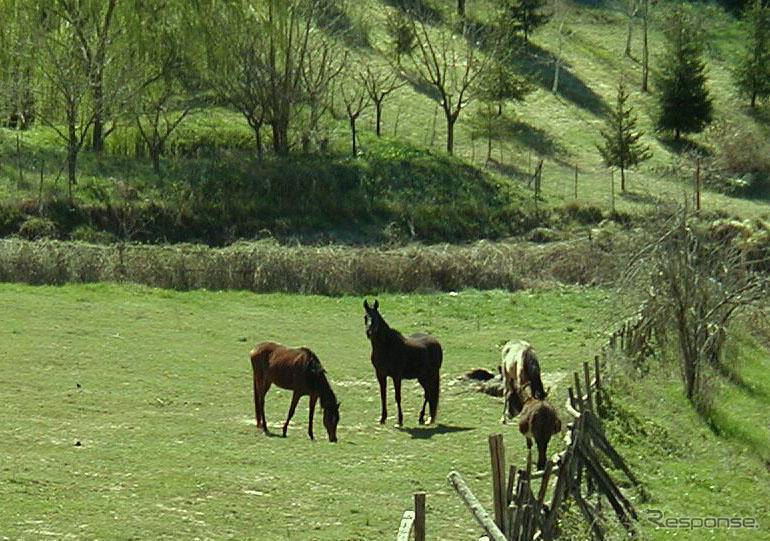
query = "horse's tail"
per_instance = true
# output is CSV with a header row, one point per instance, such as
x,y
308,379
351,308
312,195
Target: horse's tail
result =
x,y
532,368
437,355
259,358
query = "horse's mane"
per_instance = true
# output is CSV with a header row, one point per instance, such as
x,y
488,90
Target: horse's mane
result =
x,y
387,332
317,381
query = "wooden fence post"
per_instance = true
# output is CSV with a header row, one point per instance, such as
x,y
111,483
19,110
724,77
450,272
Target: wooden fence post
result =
x,y
499,487
587,375
419,516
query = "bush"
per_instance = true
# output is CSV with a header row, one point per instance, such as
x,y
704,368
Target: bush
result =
x,y
88,233
35,228
583,214
741,161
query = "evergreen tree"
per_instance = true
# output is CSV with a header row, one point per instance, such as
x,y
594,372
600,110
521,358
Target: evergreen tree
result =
x,y
753,70
496,86
524,15
622,147
684,102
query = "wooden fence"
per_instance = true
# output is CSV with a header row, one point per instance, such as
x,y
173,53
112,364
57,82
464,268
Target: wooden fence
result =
x,y
521,510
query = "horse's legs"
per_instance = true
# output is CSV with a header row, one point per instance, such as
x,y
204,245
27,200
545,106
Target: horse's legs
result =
x,y
383,387
397,387
424,382
433,398
505,405
292,407
313,398
262,392
257,413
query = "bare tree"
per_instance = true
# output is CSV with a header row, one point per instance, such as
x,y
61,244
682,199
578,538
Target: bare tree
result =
x,y
449,63
696,284
356,98
632,9
380,82
317,80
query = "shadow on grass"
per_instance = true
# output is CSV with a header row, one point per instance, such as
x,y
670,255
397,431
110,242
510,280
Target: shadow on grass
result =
x,y
508,170
537,64
642,198
732,376
683,144
426,432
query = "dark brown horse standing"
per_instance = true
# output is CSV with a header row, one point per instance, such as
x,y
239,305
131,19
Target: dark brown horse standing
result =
x,y
539,421
417,357
297,370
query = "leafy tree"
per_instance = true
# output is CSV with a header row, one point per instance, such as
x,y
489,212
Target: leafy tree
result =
x,y
524,16
17,61
753,70
165,76
63,94
684,102
91,23
622,147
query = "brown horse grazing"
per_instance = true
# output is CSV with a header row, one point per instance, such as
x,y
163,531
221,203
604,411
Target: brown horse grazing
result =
x,y
520,369
417,357
298,370
539,421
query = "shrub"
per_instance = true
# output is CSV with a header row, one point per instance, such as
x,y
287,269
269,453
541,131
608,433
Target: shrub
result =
x,y
741,161
88,233
35,228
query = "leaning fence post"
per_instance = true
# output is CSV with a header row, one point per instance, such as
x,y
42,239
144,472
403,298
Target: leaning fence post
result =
x,y
476,509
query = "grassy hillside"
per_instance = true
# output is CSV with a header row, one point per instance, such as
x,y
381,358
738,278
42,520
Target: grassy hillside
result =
x,y
128,412
213,189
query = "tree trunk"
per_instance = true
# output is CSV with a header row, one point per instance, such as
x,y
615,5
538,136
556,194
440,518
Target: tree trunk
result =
x,y
155,155
622,180
258,140
627,52
461,8
450,133
280,137
378,105
97,141
353,133
753,99
645,52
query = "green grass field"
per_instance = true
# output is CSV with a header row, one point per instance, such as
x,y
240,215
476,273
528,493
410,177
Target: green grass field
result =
x,y
156,388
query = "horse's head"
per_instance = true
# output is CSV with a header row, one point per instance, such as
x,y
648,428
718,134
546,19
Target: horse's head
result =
x,y
331,418
372,318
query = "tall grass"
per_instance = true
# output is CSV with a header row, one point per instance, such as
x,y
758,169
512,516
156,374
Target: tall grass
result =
x,y
266,266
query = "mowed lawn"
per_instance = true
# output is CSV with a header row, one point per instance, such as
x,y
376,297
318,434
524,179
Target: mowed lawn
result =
x,y
127,412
